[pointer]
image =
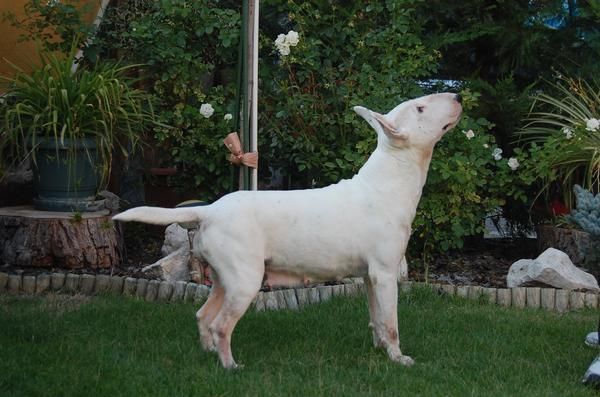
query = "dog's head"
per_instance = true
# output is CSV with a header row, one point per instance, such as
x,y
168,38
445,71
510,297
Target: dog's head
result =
x,y
420,122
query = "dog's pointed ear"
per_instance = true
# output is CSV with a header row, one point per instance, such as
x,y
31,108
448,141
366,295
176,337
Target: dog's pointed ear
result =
x,y
368,116
388,128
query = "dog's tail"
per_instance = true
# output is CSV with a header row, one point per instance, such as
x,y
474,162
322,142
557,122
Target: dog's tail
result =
x,y
161,216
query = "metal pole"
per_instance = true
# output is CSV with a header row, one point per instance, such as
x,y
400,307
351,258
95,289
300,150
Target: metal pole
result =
x,y
245,125
254,85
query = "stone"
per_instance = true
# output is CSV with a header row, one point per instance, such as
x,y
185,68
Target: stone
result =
x,y
313,296
551,268
129,286
519,296
475,291
280,299
14,283
534,296
338,290
504,296
57,281
165,290
86,284
325,293
151,290
562,300
116,285
403,270
591,300
435,287
405,286
176,237
491,294
462,291
302,295
290,298
3,281
449,289
576,300
102,283
71,283
190,292
142,286
42,283
259,302
271,301
29,285
178,290
202,292
351,289
548,298
173,267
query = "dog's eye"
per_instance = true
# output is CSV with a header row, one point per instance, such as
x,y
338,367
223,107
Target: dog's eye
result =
x,y
420,109
446,127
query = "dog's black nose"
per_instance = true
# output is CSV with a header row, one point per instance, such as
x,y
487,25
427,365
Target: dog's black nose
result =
x,y
458,98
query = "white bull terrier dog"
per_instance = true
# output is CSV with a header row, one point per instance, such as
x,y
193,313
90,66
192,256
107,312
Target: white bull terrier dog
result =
x,y
356,228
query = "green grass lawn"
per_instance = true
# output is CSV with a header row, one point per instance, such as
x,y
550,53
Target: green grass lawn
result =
x,y
113,346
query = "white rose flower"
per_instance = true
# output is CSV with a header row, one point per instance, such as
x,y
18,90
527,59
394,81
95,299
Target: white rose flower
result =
x,y
284,50
469,134
592,124
206,110
497,154
292,38
485,145
513,163
280,40
568,132
227,117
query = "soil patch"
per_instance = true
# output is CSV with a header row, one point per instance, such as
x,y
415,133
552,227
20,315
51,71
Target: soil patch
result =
x,y
482,262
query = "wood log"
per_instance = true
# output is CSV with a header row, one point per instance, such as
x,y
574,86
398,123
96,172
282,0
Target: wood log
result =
x,y
59,239
573,242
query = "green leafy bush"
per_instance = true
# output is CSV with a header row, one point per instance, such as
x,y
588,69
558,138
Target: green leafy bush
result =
x,y
186,48
566,124
355,54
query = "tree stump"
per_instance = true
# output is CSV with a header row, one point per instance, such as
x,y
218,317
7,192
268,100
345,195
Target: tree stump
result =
x,y
59,239
573,242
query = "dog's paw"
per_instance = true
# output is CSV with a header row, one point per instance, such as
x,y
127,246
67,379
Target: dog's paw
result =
x,y
407,361
401,359
208,344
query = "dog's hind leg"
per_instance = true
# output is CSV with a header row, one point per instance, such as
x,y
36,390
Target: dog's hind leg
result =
x,y
240,290
207,313
385,294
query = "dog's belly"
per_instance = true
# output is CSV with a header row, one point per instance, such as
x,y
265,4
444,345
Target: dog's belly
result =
x,y
290,272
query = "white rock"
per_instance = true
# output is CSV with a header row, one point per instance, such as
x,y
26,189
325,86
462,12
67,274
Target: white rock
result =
x,y
552,267
175,238
173,267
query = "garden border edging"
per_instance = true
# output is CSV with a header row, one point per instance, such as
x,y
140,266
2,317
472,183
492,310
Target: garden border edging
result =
x,y
553,299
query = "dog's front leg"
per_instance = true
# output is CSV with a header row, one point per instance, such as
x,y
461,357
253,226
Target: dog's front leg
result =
x,y
371,299
384,315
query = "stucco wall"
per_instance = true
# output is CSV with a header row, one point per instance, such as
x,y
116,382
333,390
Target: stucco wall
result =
x,y
23,54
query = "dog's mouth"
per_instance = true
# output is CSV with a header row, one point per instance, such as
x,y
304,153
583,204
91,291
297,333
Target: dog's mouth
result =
x,y
452,124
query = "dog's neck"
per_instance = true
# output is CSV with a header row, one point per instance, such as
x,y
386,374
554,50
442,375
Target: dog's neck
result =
x,y
394,172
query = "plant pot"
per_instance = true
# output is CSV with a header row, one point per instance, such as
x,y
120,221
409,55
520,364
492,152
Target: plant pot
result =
x,y
64,176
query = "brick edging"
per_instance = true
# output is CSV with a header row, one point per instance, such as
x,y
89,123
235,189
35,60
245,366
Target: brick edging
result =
x,y
153,290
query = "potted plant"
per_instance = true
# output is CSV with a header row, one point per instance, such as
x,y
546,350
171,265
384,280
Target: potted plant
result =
x,y
68,121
